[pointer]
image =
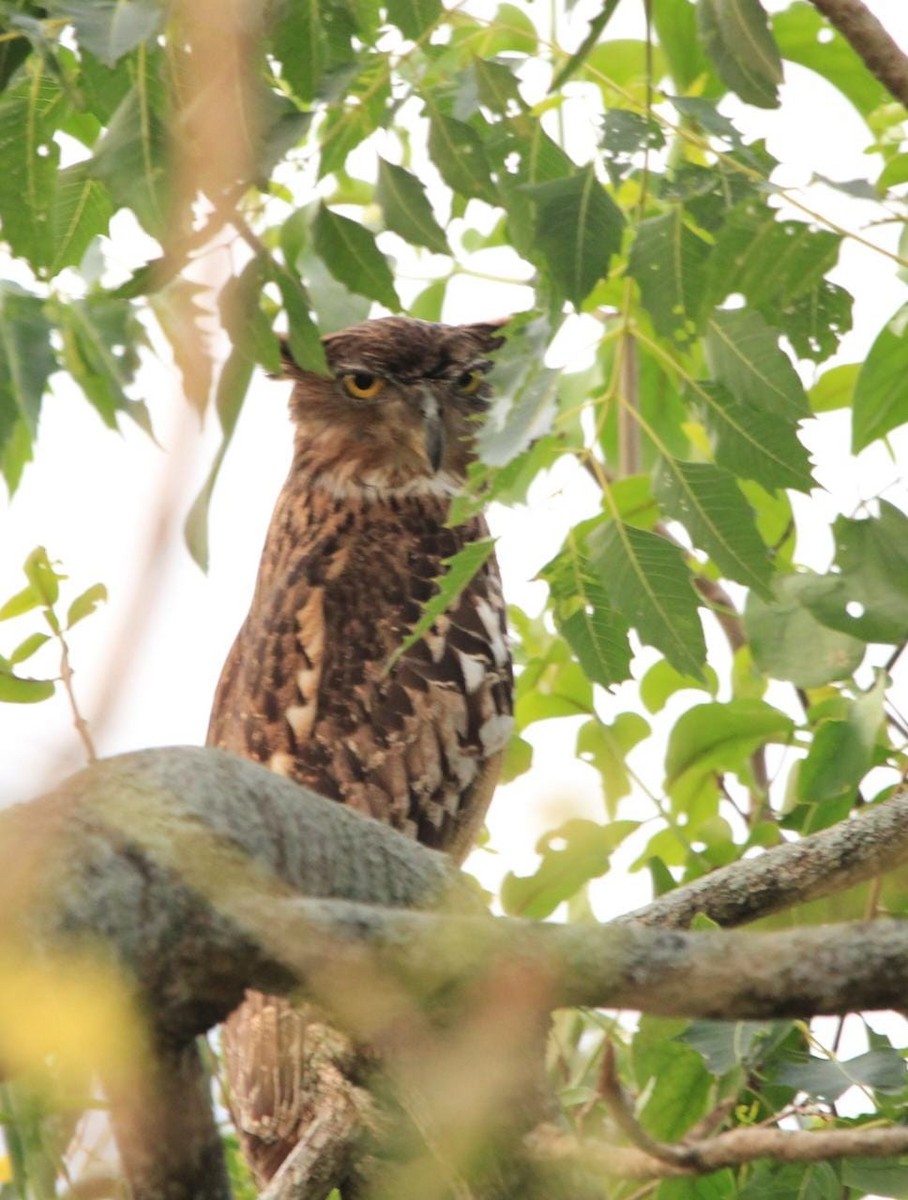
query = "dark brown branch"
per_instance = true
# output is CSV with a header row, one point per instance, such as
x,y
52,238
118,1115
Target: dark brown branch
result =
x,y
871,843
870,41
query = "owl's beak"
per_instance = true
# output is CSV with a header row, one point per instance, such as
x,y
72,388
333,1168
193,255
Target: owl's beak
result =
x,y
433,429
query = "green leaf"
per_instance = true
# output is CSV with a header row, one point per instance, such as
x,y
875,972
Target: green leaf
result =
x,y
625,134
518,758
414,17
26,359
648,581
880,395
303,335
31,645
85,604
868,597
606,747
458,153
183,321
788,642
572,855
496,85
743,353
101,336
81,212
16,690
834,389
30,111
111,28
828,1078
709,504
578,227
584,616
754,444
662,681
712,738
407,211
23,602
667,260
460,569
232,386
593,34
130,159
351,255
525,394
737,38
725,1045
672,1076
878,1177
43,576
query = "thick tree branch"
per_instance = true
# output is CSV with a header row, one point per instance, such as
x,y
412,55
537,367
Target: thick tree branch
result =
x,y
871,843
869,39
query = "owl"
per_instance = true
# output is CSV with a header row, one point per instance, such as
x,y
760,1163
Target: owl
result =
x,y
315,687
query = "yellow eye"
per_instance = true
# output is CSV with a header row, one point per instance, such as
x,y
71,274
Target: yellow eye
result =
x,y
362,385
469,381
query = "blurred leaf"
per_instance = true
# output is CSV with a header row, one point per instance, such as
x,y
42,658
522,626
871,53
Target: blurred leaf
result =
x,y
676,28
578,229
23,602
82,211
711,738
111,28
648,582
791,1181
302,333
709,504
496,85
26,359
311,38
592,36
725,1045
606,746
130,159
662,681
101,336
754,443
518,758
828,1079
880,395
31,645
667,259
406,209
414,17
525,394
572,854
672,1075
30,110
625,135
460,569
879,1177
737,38
16,690
788,642
85,604
351,255
834,389
743,354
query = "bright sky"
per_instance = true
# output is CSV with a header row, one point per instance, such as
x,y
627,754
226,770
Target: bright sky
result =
x,y
95,498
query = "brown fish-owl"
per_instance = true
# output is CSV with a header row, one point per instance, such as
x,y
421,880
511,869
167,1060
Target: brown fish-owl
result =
x,y
354,550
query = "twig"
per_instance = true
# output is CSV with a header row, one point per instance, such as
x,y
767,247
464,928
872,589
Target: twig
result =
x,y
615,1098
66,678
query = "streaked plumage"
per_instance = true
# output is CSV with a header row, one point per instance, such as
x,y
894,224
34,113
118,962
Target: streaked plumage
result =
x,y
353,551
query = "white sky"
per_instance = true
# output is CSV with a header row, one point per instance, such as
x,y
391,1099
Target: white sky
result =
x,y
93,499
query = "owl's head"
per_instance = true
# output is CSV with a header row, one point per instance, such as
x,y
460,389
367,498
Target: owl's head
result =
x,y
399,411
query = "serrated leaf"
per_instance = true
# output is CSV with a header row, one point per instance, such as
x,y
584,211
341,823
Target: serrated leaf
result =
x,y
737,38
496,85
458,153
625,134
578,227
31,645
351,255
868,597
407,211
667,259
709,504
880,395
572,855
81,212
85,604
183,321
744,355
101,336
525,394
789,642
130,159
29,114
711,738
606,747
302,332
26,359
584,615
16,690
754,444
648,582
460,569
111,28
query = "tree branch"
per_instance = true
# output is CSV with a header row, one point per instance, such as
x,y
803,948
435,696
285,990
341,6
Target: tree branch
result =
x,y
870,41
871,843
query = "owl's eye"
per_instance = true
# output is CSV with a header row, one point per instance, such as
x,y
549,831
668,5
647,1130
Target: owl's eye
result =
x,y
362,385
469,381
